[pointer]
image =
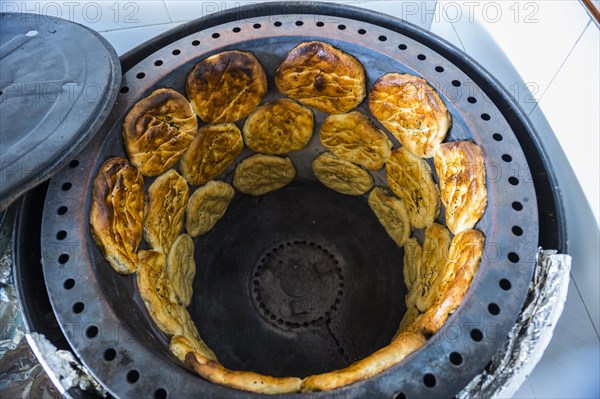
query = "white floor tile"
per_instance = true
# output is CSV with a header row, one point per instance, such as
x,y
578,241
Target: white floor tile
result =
x,y
534,35
524,392
419,13
446,31
124,40
571,105
99,15
570,367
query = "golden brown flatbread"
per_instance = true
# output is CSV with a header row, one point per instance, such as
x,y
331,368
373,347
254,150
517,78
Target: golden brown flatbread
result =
x,y
207,205
322,76
410,178
157,292
214,372
413,256
261,174
402,346
181,345
412,111
158,130
466,252
354,138
165,206
434,269
461,170
226,87
181,268
212,151
278,127
117,213
392,215
341,176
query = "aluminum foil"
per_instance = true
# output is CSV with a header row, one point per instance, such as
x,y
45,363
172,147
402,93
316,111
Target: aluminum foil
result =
x,y
530,335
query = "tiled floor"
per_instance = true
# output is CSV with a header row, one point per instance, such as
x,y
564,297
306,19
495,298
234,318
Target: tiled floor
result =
x,y
546,53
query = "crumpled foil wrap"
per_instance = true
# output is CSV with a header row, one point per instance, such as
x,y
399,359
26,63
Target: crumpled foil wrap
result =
x,y
530,335
32,368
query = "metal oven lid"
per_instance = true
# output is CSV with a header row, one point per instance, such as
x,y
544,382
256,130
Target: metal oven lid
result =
x,y
59,81
97,328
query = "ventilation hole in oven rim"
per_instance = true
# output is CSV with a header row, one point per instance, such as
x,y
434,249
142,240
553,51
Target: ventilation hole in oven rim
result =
x,y
517,206
399,395
382,38
517,230
68,284
133,376
63,258
513,181
257,26
402,46
429,380
92,331
61,235
67,186
160,393
439,69
456,83
421,57
486,117
78,307
176,52
74,163
476,335
158,63
196,43
506,158
493,309
342,27
505,284
140,75
277,23
320,24
110,354
497,136
362,31
472,100
513,257
299,23
455,358
125,89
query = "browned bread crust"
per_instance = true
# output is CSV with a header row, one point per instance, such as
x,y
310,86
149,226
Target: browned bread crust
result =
x,y
227,86
402,346
410,178
278,127
214,372
461,170
165,206
158,130
117,212
212,151
322,76
354,138
341,176
412,111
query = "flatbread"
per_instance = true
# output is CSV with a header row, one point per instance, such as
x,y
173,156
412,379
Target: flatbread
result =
x,y
278,127
412,111
261,174
207,205
117,213
158,130
322,76
341,176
